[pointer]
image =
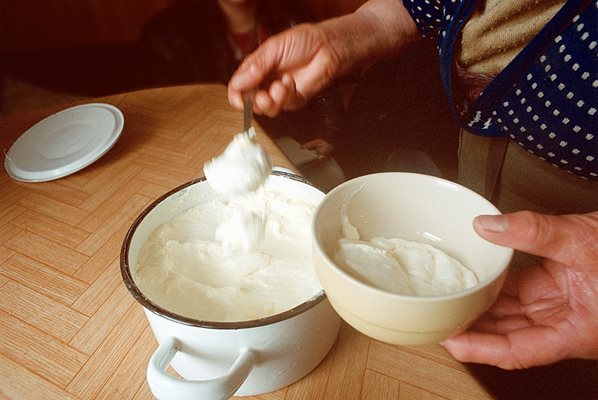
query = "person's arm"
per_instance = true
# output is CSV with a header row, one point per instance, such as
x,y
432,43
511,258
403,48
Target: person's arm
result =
x,y
545,313
291,67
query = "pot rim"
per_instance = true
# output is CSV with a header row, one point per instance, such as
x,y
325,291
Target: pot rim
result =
x,y
125,269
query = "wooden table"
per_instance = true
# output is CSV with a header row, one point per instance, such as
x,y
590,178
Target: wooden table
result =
x,y
68,326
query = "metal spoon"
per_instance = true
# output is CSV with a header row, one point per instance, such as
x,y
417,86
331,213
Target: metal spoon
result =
x,y
247,110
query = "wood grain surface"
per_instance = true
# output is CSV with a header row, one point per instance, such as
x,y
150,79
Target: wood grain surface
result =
x,y
68,327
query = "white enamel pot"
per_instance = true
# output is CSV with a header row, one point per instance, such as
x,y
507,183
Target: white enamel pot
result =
x,y
217,360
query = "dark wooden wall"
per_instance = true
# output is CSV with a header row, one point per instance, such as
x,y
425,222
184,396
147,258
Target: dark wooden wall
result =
x,y
27,25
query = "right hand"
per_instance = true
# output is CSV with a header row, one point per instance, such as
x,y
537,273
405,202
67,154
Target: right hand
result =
x,y
289,68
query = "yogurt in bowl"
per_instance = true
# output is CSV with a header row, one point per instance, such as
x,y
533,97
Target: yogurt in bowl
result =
x,y
412,303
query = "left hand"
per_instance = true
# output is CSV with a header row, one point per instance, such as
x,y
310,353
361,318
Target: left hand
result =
x,y
545,313
292,66
288,69
320,145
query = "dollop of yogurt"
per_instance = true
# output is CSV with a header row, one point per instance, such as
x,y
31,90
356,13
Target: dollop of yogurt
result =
x,y
186,269
239,171
242,167
400,266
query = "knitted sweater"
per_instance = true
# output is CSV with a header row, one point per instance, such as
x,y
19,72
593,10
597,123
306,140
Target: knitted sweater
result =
x,y
545,99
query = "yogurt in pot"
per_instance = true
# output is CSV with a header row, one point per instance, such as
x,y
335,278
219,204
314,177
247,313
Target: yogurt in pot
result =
x,y
196,266
229,320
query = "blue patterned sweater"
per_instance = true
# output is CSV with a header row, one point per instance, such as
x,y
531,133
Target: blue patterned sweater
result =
x,y
546,99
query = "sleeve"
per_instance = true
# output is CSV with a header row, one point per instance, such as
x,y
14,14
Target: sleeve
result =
x,y
427,14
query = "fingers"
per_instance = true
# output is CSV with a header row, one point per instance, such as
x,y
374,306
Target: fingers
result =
x,y
566,239
505,306
288,83
276,98
280,95
322,147
480,348
246,78
265,69
288,68
501,325
522,348
506,315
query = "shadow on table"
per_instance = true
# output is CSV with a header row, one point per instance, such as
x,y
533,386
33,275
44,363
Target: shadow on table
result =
x,y
567,380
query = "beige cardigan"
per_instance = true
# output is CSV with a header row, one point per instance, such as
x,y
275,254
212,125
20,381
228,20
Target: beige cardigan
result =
x,y
498,30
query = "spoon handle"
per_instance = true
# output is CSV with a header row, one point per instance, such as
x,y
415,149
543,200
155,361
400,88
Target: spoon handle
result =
x,y
247,110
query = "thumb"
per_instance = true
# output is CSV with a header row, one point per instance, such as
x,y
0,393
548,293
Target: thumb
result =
x,y
565,239
249,74
246,78
260,64
258,70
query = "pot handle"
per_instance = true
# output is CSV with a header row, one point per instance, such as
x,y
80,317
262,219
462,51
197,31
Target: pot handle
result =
x,y
165,386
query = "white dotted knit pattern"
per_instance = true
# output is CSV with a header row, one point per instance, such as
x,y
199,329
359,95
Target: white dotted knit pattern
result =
x,y
551,110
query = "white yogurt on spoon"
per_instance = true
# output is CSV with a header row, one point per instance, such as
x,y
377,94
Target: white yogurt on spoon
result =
x,y
242,167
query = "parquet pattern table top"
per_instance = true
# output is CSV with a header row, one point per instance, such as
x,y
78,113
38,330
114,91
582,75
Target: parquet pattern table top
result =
x,y
68,327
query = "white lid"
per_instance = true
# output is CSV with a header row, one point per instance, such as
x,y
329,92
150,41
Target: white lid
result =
x,y
64,143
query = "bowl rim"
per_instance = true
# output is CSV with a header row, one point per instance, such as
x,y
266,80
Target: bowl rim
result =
x,y
125,269
331,264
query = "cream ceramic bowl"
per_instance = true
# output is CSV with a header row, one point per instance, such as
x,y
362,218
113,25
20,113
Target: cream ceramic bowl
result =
x,y
412,207
219,359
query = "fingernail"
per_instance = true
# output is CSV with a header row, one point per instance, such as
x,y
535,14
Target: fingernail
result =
x,y
491,223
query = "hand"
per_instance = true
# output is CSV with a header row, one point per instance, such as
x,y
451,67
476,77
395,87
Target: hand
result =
x,y
545,313
290,68
320,145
